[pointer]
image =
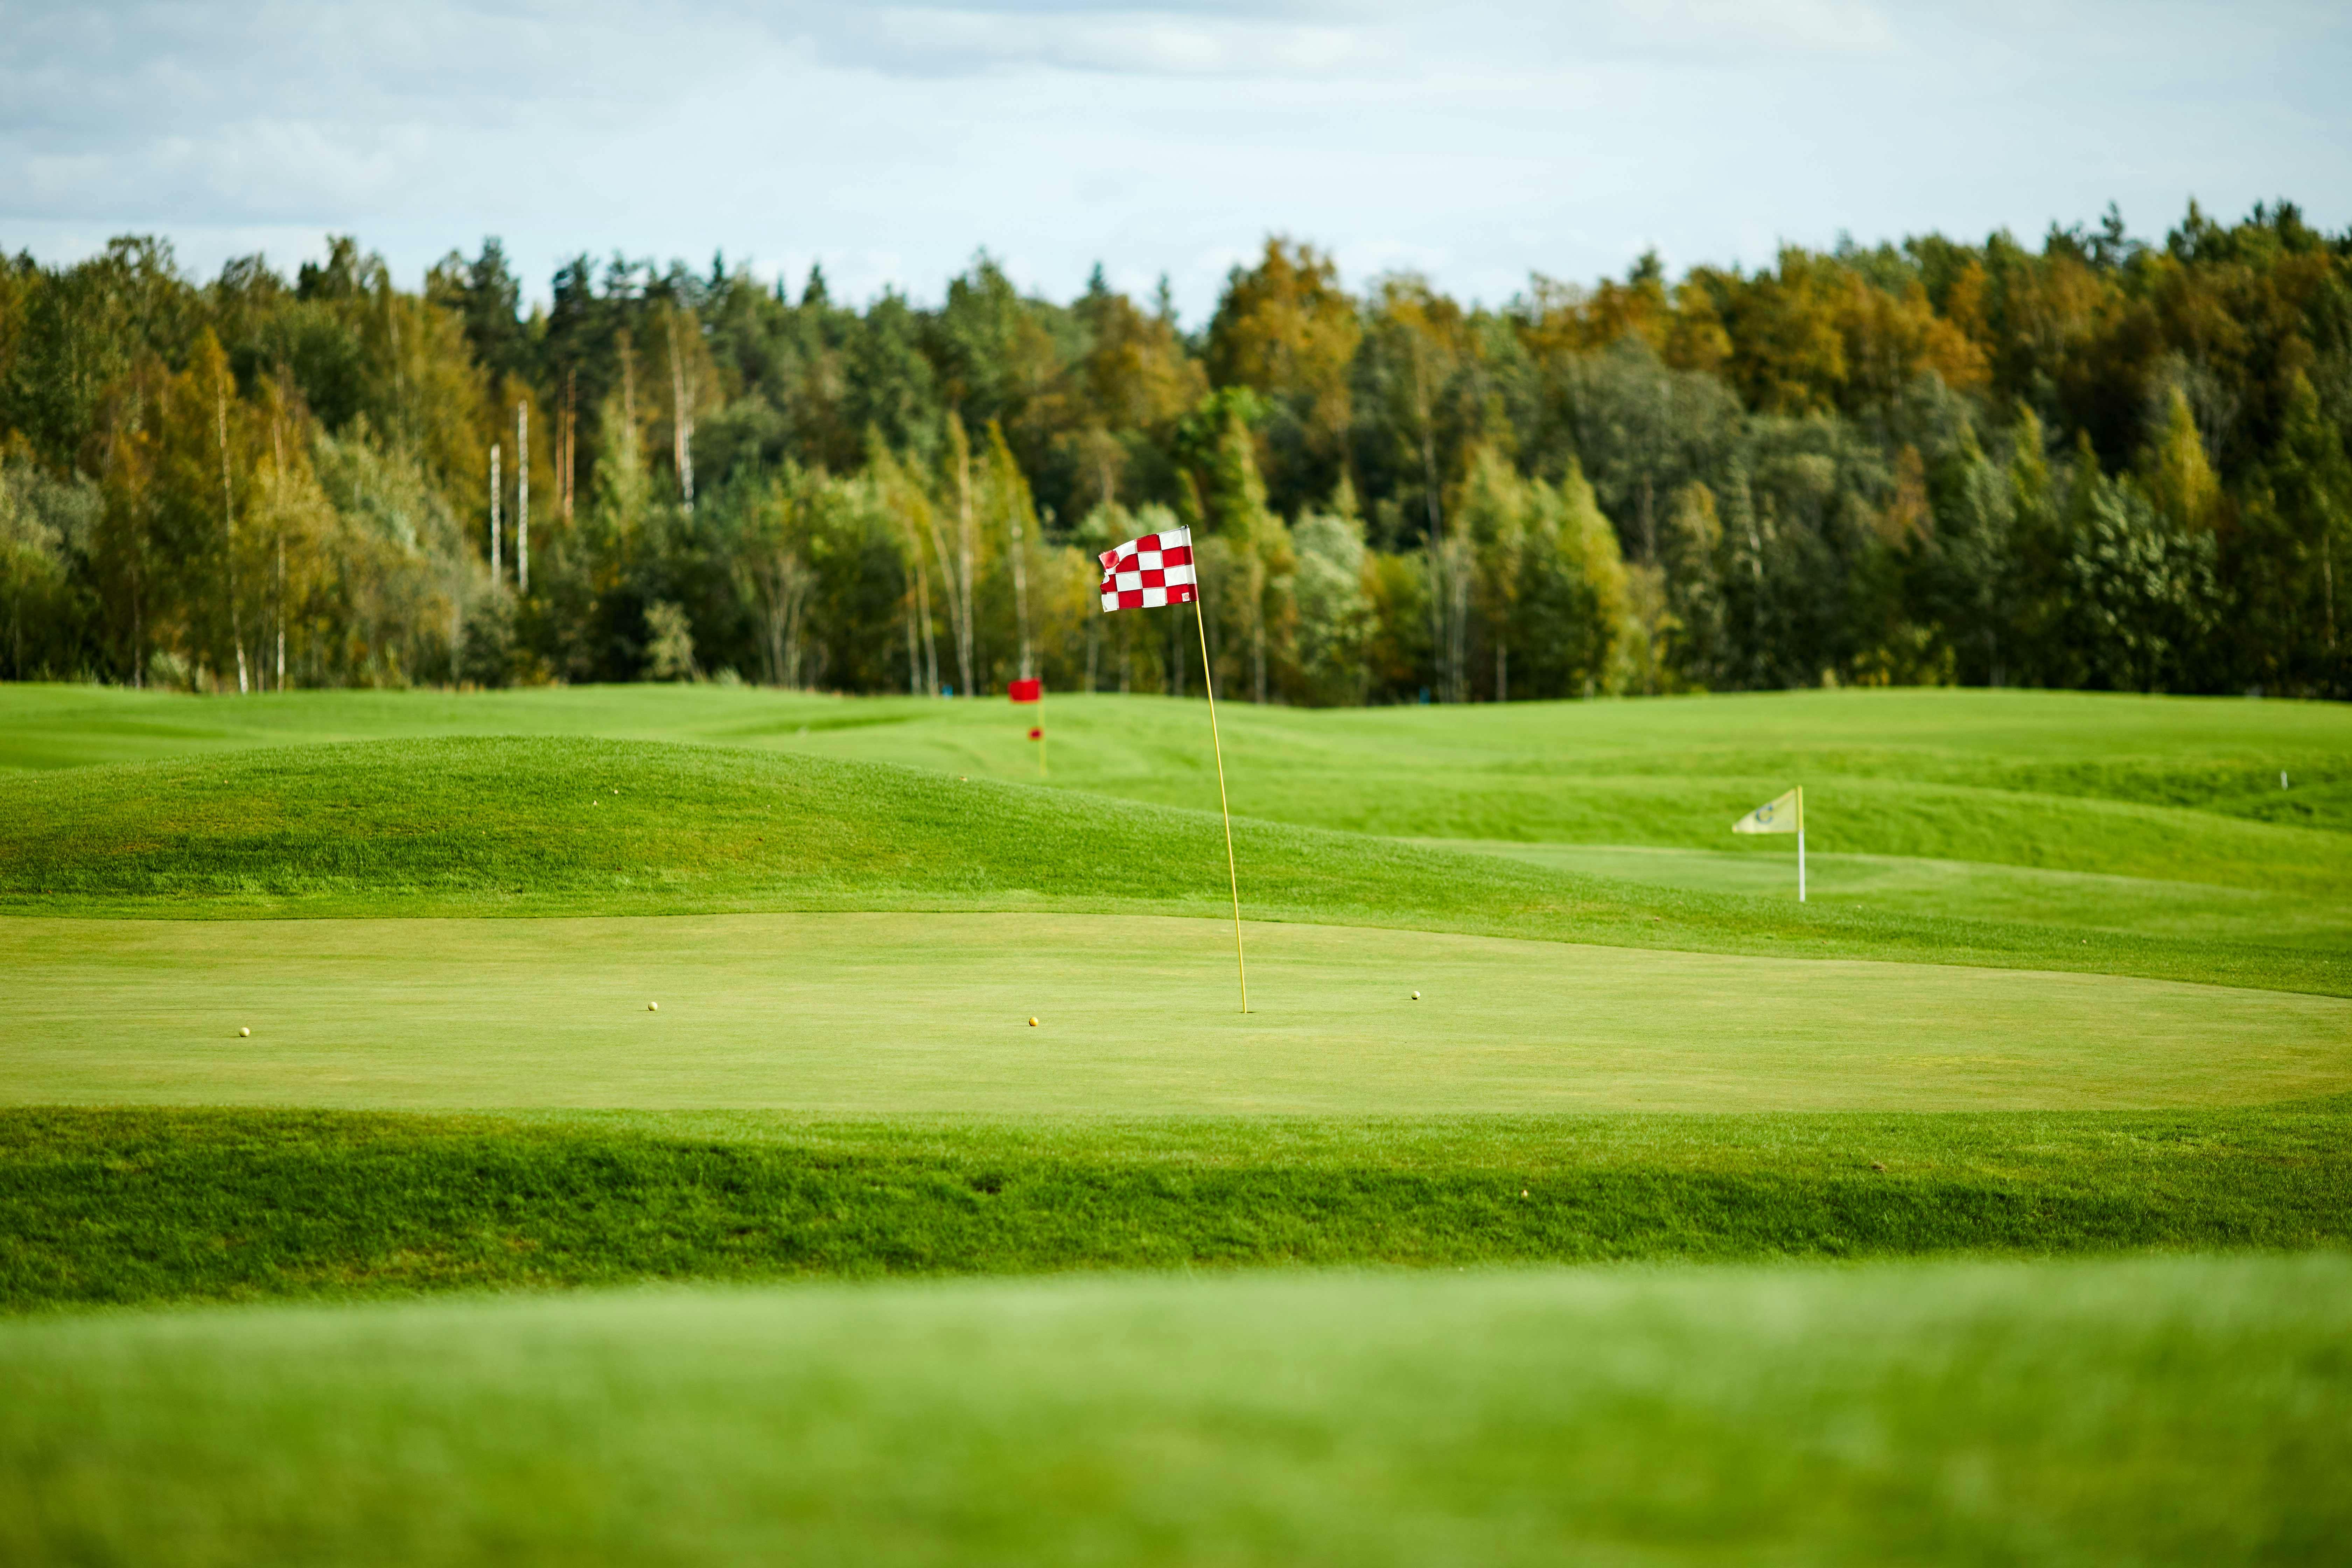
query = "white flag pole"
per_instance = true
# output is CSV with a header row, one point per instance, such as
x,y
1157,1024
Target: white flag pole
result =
x,y
1801,843
1232,874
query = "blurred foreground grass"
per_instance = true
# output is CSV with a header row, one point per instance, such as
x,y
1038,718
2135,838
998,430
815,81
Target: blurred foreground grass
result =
x,y
2182,1410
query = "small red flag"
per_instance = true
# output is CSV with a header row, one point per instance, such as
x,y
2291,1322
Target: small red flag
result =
x,y
1036,735
1026,691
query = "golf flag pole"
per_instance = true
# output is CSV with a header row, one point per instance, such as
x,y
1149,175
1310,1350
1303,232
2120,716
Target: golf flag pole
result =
x,y
1233,873
1785,815
1031,689
1150,572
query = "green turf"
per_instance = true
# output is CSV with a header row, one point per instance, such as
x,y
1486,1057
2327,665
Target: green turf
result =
x,y
134,1206
2219,756
2149,1411
571,827
874,1013
2151,816
2100,909
1974,891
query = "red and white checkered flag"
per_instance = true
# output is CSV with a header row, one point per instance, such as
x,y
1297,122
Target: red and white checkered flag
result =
x,y
1146,572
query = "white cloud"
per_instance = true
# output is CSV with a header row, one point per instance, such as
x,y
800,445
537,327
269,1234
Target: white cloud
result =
x,y
949,40
1715,26
1477,142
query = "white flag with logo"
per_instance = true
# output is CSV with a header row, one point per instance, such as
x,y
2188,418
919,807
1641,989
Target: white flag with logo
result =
x,y
1781,815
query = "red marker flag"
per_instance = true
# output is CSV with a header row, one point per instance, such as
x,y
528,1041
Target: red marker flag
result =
x,y
1036,735
1146,572
1025,690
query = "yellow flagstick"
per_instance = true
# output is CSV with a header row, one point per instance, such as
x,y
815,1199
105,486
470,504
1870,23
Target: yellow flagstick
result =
x,y
1041,731
1235,875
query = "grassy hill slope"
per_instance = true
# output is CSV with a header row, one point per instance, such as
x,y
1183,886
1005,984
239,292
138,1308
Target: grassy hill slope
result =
x,y
130,1206
2215,755
2152,814
582,826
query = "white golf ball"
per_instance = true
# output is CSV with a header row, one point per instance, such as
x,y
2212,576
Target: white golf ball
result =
x,y
653,1006
245,1034
1416,995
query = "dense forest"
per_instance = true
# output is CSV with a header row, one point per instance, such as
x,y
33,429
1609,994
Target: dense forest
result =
x,y
2103,463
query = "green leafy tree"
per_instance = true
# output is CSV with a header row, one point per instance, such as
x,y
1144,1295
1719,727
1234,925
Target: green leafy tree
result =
x,y
1287,330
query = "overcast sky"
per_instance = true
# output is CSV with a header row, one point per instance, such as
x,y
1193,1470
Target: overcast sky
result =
x,y
1477,143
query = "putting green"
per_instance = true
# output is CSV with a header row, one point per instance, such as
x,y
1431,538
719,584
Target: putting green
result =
x,y
861,1014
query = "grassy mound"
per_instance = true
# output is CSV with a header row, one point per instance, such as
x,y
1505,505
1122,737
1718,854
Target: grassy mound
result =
x,y
1895,772
2148,1411
127,1206
586,827
548,827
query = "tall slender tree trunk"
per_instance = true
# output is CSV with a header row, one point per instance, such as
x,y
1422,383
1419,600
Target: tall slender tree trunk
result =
x,y
914,653
1449,598
522,498
1257,624
966,549
228,538
277,513
497,489
399,378
567,457
1021,600
2327,584
1461,621
681,419
931,640
138,606
628,379
930,668
946,559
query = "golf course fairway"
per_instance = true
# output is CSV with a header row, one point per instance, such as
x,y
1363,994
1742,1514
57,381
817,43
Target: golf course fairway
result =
x,y
608,1125
1138,1016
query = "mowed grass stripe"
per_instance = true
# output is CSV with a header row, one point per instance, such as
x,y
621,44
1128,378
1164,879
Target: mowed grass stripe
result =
x,y
888,1014
2150,1411
131,1206
571,827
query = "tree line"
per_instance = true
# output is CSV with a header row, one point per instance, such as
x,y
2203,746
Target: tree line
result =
x,y
2103,463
